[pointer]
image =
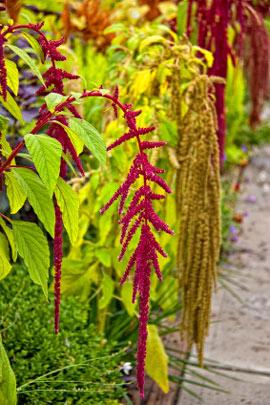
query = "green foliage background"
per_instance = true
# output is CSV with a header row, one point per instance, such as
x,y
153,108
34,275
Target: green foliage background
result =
x,y
141,61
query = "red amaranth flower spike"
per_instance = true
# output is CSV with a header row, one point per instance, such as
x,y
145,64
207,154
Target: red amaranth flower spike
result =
x,y
50,48
54,81
213,23
58,254
140,215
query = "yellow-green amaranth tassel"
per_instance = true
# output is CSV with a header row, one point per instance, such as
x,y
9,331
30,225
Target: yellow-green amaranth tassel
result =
x,y
198,207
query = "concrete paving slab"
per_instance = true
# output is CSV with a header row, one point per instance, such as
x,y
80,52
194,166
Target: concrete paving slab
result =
x,y
240,333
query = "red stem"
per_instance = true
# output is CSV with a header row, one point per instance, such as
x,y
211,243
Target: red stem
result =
x,y
18,148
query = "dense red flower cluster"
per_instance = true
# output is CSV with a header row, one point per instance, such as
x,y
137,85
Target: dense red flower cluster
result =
x,y
57,262
53,79
257,61
140,215
213,20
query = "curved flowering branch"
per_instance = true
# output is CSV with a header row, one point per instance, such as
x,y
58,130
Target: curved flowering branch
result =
x,y
53,82
140,215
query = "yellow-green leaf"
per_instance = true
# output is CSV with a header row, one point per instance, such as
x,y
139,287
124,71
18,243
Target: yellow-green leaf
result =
x,y
15,192
5,265
107,291
8,395
46,154
27,59
153,39
104,256
12,76
76,141
53,99
207,54
9,234
68,201
35,45
90,136
77,278
12,107
126,295
156,363
33,248
37,195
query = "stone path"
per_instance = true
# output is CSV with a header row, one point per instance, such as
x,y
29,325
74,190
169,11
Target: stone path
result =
x,y
240,339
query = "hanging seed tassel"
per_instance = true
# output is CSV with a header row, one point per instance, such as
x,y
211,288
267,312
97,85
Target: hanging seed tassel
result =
x,y
198,206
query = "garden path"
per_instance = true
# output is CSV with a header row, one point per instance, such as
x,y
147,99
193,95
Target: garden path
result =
x,y
240,334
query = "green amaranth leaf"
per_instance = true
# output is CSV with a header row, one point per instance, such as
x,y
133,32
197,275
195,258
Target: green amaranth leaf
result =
x,y
68,201
53,99
118,27
8,395
38,196
12,107
156,363
150,40
27,59
75,140
12,76
35,45
33,248
107,291
46,154
15,192
126,295
77,278
5,265
4,121
103,256
90,137
9,234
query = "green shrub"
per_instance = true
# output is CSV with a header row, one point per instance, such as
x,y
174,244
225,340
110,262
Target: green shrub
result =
x,y
81,367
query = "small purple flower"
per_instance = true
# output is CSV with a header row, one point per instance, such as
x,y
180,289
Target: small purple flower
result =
x,y
251,198
233,233
233,230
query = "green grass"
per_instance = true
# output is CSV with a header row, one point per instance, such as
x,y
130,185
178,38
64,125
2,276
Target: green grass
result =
x,y
76,367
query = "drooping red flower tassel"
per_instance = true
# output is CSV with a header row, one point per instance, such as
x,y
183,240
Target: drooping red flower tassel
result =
x,y
257,63
53,79
139,215
58,255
